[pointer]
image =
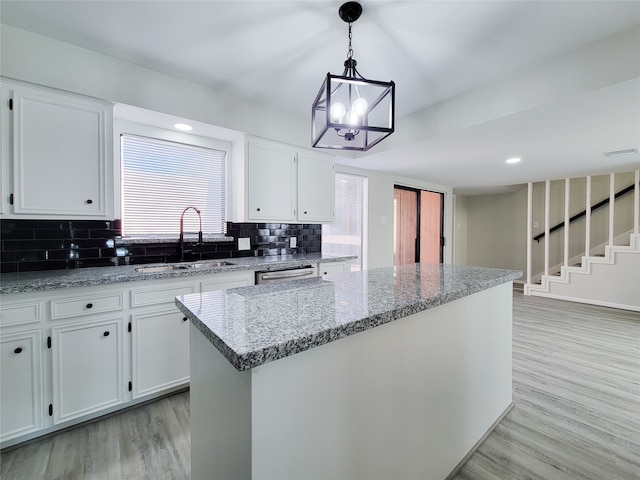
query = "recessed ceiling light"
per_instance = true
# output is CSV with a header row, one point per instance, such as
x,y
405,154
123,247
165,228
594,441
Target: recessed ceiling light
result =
x,y
182,126
513,160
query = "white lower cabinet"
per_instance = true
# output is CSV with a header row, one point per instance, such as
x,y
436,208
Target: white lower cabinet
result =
x,y
160,348
88,368
21,384
159,337
74,354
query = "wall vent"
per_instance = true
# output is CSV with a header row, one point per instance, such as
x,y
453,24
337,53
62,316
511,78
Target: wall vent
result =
x,y
619,153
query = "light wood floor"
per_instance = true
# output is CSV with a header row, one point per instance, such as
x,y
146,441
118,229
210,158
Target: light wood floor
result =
x,y
576,388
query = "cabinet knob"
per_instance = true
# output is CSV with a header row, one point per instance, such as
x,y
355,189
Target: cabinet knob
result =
x,y
257,209
89,305
184,319
18,350
88,202
106,334
305,212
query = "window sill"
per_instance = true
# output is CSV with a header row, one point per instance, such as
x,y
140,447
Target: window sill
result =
x,y
151,239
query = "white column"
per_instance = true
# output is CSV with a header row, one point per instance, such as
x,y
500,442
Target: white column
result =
x,y
529,229
567,196
587,227
612,201
547,198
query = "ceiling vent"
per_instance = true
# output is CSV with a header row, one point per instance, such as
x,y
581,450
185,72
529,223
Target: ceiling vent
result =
x,y
620,153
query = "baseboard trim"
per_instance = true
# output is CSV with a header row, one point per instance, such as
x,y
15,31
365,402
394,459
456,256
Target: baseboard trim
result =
x,y
598,303
458,467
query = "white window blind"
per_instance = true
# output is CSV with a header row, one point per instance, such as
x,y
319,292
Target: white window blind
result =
x,y
161,178
345,235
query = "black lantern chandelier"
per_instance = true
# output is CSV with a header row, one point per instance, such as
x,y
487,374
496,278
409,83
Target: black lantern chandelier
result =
x,y
351,112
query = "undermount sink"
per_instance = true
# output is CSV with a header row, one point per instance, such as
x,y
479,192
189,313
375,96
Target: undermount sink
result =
x,y
160,268
210,264
182,266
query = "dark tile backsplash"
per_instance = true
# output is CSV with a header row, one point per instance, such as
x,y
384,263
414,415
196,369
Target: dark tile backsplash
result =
x,y
29,245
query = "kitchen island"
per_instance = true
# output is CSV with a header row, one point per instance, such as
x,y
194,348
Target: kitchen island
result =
x,y
387,373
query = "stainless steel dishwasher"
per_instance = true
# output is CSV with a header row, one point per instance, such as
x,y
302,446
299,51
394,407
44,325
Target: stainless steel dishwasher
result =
x,y
275,276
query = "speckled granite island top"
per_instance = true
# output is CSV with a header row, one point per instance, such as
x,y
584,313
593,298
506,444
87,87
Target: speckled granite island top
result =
x,y
82,277
251,326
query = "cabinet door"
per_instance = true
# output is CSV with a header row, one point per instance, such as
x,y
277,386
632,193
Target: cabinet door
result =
x,y
60,148
330,268
160,351
271,174
88,368
316,187
21,391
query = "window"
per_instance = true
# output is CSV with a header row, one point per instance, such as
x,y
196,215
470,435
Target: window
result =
x,y
345,236
161,178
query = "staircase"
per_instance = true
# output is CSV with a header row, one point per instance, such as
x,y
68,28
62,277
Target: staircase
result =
x,y
608,275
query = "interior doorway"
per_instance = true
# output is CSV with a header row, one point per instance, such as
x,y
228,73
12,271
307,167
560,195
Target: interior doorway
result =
x,y
418,221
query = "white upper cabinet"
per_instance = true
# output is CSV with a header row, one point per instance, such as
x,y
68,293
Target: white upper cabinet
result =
x,y
316,188
271,175
283,183
58,154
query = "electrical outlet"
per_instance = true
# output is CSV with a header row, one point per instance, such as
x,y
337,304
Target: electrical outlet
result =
x,y
244,244
293,242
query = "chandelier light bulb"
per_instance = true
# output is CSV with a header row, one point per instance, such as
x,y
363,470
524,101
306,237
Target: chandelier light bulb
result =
x,y
337,111
359,106
352,117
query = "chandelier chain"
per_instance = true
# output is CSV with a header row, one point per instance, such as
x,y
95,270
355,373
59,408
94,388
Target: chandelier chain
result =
x,y
350,51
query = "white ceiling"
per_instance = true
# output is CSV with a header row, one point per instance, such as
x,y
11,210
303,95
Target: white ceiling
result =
x,y
277,52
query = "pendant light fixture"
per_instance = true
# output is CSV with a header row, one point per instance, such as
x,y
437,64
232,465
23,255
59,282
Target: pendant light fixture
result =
x,y
351,112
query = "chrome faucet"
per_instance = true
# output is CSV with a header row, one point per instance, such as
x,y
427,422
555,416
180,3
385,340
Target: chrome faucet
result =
x,y
181,241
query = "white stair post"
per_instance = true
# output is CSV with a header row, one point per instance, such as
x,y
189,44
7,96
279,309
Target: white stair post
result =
x,y
567,196
636,204
587,227
547,207
612,201
529,229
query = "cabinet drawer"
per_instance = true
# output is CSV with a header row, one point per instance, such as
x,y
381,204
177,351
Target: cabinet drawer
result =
x,y
159,295
19,314
222,281
88,305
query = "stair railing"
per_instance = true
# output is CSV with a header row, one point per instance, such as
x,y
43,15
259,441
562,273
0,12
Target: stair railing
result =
x,y
635,187
598,205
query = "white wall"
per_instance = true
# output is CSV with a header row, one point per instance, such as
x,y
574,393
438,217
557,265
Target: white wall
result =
x,y
380,214
496,224
37,59
496,230
460,234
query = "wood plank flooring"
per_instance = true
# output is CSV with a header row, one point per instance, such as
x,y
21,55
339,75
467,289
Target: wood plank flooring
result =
x,y
576,388
149,442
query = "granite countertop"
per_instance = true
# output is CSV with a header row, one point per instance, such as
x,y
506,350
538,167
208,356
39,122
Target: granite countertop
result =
x,y
251,326
82,277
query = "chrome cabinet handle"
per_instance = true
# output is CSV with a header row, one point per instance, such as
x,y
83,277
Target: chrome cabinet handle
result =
x,y
277,276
